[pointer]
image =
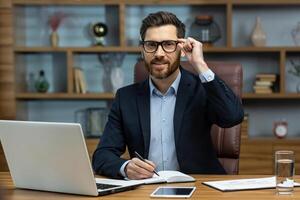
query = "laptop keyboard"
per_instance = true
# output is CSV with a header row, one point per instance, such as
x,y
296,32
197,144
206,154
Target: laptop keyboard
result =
x,y
105,186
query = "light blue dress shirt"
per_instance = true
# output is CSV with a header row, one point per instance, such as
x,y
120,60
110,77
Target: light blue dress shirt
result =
x,y
162,143
162,150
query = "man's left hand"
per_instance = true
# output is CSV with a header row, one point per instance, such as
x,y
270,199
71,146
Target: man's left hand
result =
x,y
194,53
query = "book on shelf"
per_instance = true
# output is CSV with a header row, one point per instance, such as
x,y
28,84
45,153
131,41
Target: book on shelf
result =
x,y
79,81
266,77
261,87
273,80
262,75
263,91
264,83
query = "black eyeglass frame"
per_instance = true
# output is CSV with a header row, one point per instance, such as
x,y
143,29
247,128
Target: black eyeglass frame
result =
x,y
159,44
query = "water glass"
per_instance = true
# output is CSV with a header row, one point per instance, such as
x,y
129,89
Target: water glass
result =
x,y
284,171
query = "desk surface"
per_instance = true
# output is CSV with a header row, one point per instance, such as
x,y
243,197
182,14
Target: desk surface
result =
x,y
143,192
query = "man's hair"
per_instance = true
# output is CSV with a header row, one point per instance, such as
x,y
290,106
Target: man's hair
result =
x,y
159,19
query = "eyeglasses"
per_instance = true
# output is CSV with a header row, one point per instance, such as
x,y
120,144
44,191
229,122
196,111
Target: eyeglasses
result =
x,y
168,46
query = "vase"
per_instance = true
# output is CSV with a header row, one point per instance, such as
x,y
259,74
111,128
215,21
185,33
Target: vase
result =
x,y
42,84
117,78
54,39
106,80
258,36
296,34
205,29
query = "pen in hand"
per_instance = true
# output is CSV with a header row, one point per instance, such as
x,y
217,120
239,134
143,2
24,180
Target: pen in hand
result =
x,y
141,158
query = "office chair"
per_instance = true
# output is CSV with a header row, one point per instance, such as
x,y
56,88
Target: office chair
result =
x,y
226,141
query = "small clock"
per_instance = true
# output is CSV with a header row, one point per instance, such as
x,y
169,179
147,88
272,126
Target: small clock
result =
x,y
280,129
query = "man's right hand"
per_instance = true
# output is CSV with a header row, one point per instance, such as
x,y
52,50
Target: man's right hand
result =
x,y
138,169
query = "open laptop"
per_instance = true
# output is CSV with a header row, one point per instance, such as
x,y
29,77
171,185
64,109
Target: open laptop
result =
x,y
53,157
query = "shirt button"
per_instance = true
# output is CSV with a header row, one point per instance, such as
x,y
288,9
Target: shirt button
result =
x,y
164,120
209,78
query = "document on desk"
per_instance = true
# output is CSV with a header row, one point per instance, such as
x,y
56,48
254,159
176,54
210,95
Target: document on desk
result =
x,y
244,184
167,177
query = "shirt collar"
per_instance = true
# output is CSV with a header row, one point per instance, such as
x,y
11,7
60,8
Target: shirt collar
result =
x,y
173,88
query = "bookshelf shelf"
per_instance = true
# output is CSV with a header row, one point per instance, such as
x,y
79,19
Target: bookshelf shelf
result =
x,y
271,96
110,96
63,96
64,2
75,49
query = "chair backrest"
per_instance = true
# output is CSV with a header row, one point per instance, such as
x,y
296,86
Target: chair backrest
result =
x,y
226,141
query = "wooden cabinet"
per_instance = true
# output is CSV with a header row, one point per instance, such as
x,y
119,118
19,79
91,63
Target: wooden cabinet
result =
x,y
257,155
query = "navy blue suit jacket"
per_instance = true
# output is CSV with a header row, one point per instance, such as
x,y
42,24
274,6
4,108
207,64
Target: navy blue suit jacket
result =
x,y
198,106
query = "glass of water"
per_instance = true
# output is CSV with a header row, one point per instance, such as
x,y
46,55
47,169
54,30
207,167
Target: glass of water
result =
x,y
284,171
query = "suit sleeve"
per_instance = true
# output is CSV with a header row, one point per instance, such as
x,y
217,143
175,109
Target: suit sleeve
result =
x,y
106,158
224,107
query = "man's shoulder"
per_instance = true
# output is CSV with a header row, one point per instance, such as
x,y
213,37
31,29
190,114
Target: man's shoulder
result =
x,y
132,88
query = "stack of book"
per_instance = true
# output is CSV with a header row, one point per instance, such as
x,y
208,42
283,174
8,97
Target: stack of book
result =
x,y
244,127
79,81
264,83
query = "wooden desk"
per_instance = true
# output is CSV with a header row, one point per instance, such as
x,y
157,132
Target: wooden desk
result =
x,y
143,192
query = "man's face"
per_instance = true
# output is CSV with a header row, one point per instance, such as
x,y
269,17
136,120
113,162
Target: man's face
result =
x,y
161,64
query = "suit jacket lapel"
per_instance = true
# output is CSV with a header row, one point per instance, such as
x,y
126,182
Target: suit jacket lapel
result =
x,y
143,102
185,90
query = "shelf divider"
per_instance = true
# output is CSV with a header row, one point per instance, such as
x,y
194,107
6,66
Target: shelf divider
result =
x,y
70,75
282,71
229,24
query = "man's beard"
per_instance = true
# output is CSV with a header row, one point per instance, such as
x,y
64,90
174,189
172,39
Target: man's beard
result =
x,y
163,74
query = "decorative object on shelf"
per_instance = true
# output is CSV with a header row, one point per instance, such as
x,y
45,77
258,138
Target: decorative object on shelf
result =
x,y
296,34
280,128
41,84
258,36
98,31
117,73
92,120
113,76
205,30
264,83
54,21
296,72
105,60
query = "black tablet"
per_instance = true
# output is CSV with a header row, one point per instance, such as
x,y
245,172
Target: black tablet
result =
x,y
173,192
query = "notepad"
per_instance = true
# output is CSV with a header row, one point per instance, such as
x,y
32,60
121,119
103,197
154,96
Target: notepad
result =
x,y
167,177
244,184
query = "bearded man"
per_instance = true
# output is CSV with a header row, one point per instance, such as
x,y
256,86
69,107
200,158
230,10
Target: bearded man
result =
x,y
167,118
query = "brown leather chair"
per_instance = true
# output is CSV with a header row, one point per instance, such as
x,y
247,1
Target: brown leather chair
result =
x,y
226,141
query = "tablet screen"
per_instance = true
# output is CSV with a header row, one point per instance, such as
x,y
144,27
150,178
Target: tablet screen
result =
x,y
173,192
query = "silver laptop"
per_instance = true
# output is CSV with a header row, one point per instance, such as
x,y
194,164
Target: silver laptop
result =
x,y
53,157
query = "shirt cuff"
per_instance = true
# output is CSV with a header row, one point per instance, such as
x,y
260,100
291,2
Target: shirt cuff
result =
x,y
122,169
207,76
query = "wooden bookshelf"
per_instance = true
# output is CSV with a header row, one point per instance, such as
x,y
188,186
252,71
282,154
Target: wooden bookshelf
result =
x,y
257,154
11,68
